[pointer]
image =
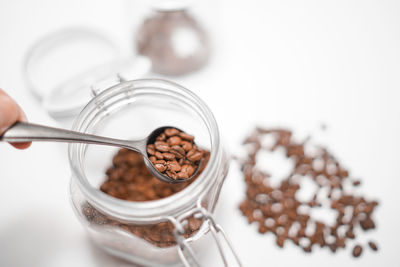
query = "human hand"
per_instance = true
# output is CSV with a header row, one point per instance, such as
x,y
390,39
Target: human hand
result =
x,y
10,113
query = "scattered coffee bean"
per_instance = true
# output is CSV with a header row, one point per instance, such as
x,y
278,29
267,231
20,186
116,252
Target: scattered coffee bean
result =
x,y
129,179
357,250
373,246
176,153
277,209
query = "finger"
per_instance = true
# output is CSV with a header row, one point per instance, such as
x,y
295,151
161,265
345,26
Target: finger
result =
x,y
22,117
10,113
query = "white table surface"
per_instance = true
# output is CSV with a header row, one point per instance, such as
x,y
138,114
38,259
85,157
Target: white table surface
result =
x,y
290,63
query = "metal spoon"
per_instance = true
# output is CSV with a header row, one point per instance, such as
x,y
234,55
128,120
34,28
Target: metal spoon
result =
x,y
26,132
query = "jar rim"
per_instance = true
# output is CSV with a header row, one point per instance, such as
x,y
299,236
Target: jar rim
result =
x,y
155,210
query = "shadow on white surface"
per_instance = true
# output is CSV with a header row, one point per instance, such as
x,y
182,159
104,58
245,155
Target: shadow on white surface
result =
x,y
103,259
42,239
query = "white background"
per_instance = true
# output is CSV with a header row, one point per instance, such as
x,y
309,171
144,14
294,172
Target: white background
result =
x,y
290,63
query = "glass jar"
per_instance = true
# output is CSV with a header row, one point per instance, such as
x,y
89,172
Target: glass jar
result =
x,y
131,110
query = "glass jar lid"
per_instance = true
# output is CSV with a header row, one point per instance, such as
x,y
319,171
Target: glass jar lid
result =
x,y
63,68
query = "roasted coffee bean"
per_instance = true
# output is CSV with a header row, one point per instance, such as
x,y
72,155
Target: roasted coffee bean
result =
x,y
159,155
173,166
367,224
150,149
357,250
153,159
373,246
196,156
188,169
280,241
160,167
161,137
174,141
168,156
161,146
276,208
177,153
186,145
350,234
191,153
178,149
171,174
171,131
133,182
186,136
183,175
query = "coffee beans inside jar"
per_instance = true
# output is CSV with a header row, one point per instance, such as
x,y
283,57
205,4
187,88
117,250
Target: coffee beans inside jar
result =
x,y
175,154
129,179
277,208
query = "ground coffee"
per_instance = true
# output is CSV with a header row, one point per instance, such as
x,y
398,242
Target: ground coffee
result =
x,y
129,179
175,154
278,210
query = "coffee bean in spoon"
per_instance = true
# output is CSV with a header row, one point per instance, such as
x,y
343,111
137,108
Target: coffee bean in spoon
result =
x,y
175,154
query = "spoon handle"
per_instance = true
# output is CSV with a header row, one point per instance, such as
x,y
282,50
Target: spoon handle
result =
x,y
26,132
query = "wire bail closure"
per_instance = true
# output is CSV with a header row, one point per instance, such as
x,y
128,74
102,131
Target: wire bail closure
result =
x,y
183,246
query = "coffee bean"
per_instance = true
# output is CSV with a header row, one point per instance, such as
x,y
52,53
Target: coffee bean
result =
x,y
367,224
350,234
159,155
174,166
196,156
171,174
161,146
171,132
161,137
183,175
191,152
177,154
168,156
160,167
174,140
333,247
276,208
151,149
357,250
189,169
373,246
179,150
133,182
280,241
186,136
186,145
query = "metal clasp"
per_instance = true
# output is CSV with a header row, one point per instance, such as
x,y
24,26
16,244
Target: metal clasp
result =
x,y
185,251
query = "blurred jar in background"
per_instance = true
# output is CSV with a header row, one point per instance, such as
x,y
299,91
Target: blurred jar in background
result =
x,y
172,34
